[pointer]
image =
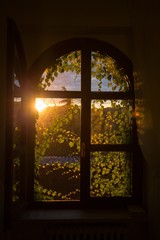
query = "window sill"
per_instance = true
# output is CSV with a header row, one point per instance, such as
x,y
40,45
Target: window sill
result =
x,y
78,215
40,224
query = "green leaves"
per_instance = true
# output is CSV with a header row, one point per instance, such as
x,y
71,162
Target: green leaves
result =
x,y
64,188
58,133
109,171
105,171
60,138
68,62
111,125
71,144
110,174
105,68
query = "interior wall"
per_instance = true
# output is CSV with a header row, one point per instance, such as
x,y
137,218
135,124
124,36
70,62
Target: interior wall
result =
x,y
134,29
45,24
2,109
146,32
120,39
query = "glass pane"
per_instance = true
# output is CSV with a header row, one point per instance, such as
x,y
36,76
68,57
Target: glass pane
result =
x,y
65,75
57,150
106,75
17,112
110,174
16,180
16,82
110,121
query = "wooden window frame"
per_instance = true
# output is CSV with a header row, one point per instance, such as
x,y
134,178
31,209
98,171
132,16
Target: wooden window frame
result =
x,y
28,93
86,45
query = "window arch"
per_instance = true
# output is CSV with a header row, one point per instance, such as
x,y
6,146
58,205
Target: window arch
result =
x,y
83,144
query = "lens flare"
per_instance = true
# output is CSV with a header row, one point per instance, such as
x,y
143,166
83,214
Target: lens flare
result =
x,y
40,105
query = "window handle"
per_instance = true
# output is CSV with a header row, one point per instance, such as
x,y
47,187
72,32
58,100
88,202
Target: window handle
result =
x,y
82,149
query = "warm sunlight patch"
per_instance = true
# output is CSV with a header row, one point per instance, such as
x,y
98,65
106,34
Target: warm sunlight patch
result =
x,y
40,105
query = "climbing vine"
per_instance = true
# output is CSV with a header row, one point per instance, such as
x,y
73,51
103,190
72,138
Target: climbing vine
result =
x,y
58,134
58,130
57,168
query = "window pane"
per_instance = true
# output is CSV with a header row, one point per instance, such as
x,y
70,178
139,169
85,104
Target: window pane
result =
x,y
16,180
110,121
16,82
57,150
106,75
110,174
17,112
17,131
65,75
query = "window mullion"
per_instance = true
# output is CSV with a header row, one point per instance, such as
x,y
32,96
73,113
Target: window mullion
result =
x,y
94,106
111,147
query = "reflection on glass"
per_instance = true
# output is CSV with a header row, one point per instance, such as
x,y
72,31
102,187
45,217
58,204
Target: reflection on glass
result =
x,y
16,146
110,121
110,174
16,82
106,75
16,180
17,112
65,75
57,159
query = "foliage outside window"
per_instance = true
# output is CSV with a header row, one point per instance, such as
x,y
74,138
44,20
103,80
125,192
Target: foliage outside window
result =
x,y
79,144
59,152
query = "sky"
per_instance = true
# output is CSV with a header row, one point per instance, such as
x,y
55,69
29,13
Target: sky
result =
x,y
72,82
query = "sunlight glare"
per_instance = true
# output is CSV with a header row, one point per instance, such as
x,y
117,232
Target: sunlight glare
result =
x,y
40,105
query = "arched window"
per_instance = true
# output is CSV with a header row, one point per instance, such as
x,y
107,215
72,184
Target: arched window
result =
x,y
83,147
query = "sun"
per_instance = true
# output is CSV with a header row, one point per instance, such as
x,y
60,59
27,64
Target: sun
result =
x,y
40,105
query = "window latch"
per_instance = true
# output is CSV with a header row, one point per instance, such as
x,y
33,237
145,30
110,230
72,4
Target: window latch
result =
x,y
82,149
